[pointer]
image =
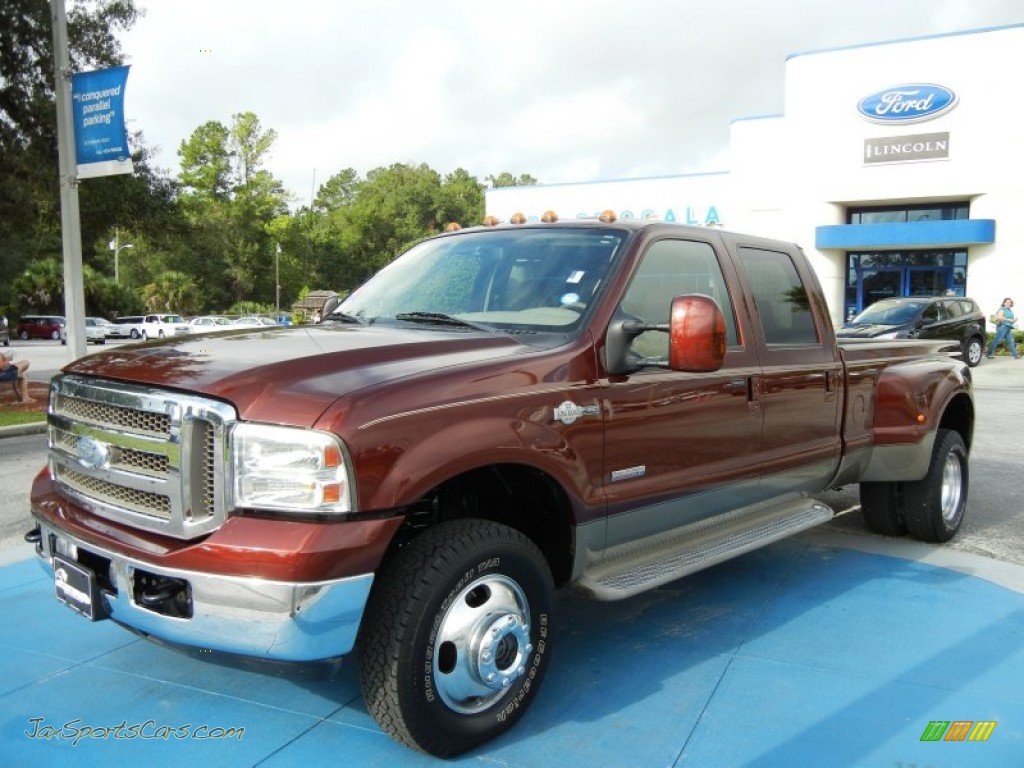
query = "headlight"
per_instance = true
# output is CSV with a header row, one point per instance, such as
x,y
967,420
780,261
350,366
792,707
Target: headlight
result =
x,y
289,469
890,335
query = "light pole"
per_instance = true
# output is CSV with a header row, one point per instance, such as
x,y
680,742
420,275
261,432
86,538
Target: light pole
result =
x,y
277,283
116,247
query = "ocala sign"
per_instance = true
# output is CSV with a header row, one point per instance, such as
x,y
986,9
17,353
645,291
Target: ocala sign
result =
x,y
910,103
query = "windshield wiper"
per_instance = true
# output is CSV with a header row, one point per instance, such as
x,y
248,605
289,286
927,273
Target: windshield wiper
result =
x,y
341,317
439,318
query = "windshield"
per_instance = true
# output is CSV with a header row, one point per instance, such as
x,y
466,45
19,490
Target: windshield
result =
x,y
527,279
888,313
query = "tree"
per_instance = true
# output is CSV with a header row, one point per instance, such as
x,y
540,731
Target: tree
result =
x,y
230,200
206,162
41,288
29,192
172,291
462,199
506,179
337,191
249,145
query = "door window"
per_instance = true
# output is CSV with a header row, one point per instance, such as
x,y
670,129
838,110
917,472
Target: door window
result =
x,y
671,268
781,299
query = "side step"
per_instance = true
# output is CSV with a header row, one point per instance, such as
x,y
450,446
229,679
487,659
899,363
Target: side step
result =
x,y
647,563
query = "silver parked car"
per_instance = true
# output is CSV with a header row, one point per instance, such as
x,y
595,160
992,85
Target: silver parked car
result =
x,y
209,323
96,331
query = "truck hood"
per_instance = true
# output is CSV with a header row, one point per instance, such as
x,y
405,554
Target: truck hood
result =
x,y
291,376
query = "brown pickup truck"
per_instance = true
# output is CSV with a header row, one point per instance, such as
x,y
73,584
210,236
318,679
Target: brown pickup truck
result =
x,y
500,412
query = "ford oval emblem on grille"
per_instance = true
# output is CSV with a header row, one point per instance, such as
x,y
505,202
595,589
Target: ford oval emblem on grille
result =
x,y
910,103
92,453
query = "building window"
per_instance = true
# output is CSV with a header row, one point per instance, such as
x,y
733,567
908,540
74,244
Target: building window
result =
x,y
885,274
909,213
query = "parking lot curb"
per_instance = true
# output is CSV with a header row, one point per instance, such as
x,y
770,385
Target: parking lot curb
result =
x,y
17,430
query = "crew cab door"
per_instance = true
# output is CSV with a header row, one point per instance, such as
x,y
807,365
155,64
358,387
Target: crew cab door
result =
x,y
801,381
679,446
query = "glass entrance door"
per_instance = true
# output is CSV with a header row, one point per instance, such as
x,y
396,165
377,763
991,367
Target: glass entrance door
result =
x,y
929,281
882,283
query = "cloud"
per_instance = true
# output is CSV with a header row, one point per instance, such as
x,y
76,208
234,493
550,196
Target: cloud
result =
x,y
568,91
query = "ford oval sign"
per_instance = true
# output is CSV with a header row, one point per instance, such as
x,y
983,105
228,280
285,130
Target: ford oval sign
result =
x,y
911,103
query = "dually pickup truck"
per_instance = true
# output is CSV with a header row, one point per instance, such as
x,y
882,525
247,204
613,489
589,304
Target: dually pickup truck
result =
x,y
500,412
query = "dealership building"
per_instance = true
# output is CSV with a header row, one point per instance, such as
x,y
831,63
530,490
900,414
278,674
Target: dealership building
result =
x,y
898,166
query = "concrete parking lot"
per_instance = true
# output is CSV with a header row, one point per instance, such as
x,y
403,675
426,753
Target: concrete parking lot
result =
x,y
834,648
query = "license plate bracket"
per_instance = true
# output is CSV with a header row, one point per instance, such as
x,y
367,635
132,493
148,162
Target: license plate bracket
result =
x,y
76,587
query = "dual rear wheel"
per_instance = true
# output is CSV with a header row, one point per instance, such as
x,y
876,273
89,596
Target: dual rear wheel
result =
x,y
930,509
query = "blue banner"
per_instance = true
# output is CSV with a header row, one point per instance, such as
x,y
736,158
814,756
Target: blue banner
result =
x,y
101,142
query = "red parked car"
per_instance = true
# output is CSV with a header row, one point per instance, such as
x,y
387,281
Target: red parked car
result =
x,y
40,327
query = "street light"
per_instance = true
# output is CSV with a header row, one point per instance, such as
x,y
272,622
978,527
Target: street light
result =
x,y
116,246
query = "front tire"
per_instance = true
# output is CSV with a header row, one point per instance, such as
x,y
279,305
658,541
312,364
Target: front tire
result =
x,y
934,507
455,639
135,333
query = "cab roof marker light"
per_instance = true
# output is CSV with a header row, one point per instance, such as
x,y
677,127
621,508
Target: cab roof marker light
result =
x,y
490,221
518,218
549,217
608,217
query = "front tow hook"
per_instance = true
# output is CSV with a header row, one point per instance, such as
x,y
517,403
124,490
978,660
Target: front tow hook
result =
x,y
156,594
34,536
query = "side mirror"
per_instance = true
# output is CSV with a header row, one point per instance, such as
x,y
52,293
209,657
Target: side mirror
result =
x,y
696,330
696,334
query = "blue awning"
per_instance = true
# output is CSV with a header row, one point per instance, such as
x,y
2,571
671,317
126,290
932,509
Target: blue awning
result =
x,y
915,234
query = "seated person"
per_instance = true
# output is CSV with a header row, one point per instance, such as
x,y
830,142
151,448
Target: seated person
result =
x,y
15,371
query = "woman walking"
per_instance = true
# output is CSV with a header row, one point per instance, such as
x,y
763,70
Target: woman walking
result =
x,y
1005,321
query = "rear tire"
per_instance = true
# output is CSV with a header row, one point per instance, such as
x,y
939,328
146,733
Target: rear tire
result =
x,y
934,507
974,348
882,507
454,642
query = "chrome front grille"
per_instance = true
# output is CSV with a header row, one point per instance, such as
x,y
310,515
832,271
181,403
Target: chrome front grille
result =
x,y
104,414
143,502
146,457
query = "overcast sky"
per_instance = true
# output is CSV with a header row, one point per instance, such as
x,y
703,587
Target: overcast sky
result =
x,y
565,90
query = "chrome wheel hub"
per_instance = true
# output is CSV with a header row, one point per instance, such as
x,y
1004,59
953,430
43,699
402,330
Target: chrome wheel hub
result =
x,y
952,487
482,645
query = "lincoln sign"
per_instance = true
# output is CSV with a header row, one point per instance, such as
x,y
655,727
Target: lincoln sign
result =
x,y
905,149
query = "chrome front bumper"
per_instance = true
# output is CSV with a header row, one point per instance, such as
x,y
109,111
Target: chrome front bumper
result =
x,y
283,621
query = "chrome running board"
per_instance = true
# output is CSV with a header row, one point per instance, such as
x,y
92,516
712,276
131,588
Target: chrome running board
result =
x,y
637,566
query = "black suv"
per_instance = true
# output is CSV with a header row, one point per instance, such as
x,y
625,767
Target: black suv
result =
x,y
923,317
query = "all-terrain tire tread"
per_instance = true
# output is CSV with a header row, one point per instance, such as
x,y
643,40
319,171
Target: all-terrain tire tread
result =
x,y
409,580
